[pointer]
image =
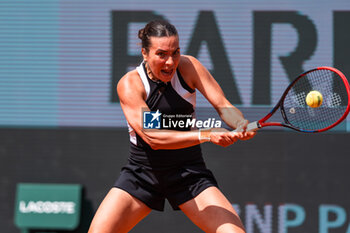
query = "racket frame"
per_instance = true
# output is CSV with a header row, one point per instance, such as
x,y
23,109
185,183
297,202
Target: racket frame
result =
x,y
262,122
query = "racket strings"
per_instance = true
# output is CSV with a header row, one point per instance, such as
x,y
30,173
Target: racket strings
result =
x,y
334,103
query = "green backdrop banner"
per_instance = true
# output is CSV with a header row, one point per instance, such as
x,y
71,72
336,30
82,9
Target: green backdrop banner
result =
x,y
48,206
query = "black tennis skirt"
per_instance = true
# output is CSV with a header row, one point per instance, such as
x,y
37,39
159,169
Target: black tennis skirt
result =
x,y
177,184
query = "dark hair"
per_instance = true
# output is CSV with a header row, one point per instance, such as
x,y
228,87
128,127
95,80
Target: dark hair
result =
x,y
156,28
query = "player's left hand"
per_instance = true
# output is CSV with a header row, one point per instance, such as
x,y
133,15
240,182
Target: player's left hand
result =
x,y
241,132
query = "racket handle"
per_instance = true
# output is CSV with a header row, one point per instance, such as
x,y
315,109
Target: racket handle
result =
x,y
252,126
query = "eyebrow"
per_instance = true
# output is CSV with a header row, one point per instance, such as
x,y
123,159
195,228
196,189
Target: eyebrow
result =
x,y
165,51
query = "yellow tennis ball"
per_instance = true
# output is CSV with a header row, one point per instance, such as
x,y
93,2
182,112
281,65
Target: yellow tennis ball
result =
x,y
314,99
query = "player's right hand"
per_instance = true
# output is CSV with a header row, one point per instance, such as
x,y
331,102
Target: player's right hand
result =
x,y
224,137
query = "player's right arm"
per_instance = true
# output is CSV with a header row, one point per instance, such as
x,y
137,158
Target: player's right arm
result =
x,y
132,97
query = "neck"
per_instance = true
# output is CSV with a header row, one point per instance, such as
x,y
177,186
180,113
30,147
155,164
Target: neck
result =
x,y
150,74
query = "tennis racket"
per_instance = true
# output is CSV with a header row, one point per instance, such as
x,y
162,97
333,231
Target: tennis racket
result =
x,y
316,101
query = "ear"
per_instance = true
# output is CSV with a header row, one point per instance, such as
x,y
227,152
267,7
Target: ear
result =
x,y
144,54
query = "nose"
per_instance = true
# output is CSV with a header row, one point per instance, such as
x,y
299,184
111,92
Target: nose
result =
x,y
170,61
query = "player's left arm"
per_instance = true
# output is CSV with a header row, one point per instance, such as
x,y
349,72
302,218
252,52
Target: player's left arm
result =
x,y
200,78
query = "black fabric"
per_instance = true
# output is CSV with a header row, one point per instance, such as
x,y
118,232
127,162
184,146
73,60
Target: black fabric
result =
x,y
155,175
164,98
177,184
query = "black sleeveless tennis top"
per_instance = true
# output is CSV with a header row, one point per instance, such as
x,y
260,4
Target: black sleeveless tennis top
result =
x,y
172,98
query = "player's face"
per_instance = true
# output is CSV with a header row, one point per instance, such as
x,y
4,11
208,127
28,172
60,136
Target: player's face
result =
x,y
163,57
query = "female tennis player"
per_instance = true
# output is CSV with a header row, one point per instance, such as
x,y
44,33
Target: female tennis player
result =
x,y
163,163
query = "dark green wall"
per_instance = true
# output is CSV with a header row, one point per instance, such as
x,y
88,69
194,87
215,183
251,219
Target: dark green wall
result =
x,y
273,168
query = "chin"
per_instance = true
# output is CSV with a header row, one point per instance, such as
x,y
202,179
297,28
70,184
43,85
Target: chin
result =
x,y
168,79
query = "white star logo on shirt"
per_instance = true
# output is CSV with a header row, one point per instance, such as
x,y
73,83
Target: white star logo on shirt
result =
x,y
156,115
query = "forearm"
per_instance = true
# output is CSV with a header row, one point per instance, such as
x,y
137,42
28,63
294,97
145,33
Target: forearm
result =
x,y
172,139
169,139
231,116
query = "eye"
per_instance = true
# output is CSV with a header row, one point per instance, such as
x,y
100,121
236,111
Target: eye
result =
x,y
177,52
161,54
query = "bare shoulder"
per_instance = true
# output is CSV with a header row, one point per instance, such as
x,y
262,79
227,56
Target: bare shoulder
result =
x,y
130,85
188,62
191,69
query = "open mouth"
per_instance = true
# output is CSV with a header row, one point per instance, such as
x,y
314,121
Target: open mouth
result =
x,y
167,72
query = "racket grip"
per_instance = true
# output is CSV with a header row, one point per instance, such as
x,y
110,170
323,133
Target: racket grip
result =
x,y
252,126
